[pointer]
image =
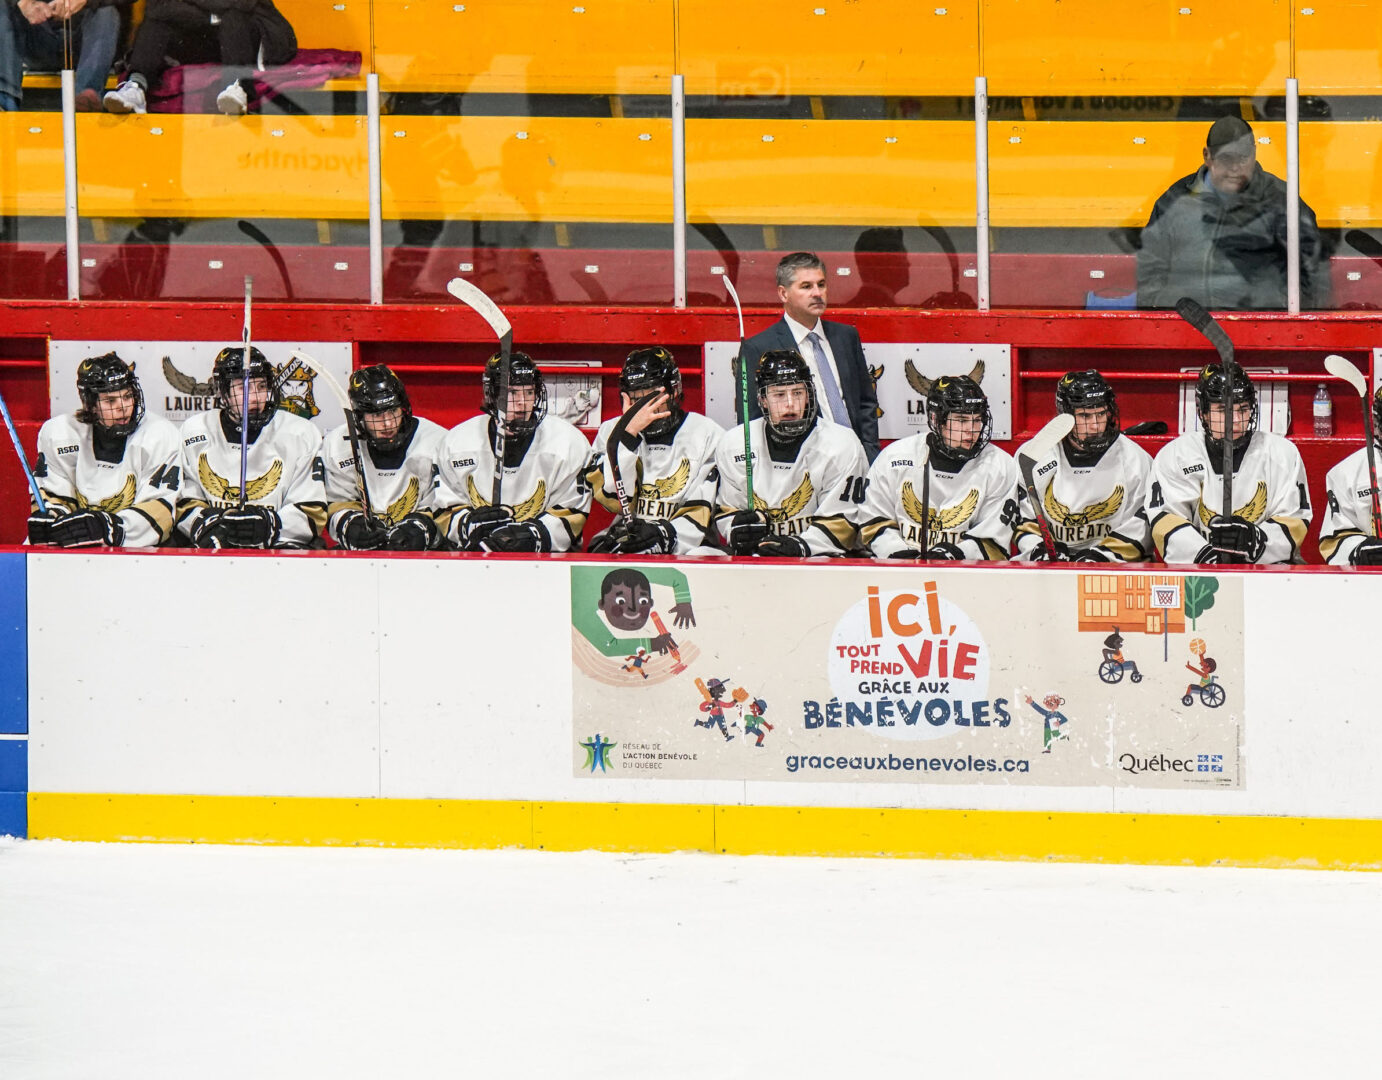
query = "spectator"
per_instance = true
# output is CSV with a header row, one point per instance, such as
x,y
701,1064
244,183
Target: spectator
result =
x,y
32,32
241,34
1218,235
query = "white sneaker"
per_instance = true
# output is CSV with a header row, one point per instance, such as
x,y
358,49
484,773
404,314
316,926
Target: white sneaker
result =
x,y
233,101
128,97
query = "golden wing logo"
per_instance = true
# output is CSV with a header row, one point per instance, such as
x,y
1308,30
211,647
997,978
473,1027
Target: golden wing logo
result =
x,y
121,500
221,490
792,506
942,518
184,384
668,485
1061,514
876,373
404,505
296,395
922,385
524,511
1252,510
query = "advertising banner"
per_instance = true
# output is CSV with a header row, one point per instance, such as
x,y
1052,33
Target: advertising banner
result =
x,y
930,676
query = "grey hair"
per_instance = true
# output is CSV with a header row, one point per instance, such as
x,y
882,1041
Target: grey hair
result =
x,y
798,260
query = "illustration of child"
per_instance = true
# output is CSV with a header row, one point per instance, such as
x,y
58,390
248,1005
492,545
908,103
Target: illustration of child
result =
x,y
1052,720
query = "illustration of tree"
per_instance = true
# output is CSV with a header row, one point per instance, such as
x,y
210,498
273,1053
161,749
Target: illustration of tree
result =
x,y
1199,596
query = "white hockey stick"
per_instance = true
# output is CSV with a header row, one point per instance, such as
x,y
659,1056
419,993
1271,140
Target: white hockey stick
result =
x,y
488,310
1341,368
1035,450
344,398
743,392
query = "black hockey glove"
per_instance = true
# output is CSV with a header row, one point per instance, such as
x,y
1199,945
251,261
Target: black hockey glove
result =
x,y
906,553
1368,553
1237,536
518,536
1093,554
476,523
783,547
947,552
416,532
87,528
360,532
41,526
645,537
1042,553
604,543
250,527
746,530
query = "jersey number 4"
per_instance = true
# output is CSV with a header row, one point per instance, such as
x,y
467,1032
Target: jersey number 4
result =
x,y
169,476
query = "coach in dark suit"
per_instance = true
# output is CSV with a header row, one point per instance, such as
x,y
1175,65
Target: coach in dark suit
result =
x,y
832,351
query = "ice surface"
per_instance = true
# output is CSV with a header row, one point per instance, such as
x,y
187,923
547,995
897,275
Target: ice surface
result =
x,y
179,961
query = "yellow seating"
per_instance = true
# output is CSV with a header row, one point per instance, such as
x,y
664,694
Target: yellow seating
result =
x,y
1339,47
31,164
330,24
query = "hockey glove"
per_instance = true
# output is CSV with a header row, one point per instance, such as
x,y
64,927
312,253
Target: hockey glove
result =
x,y
948,552
416,532
605,543
249,526
41,526
477,522
1368,553
1042,553
518,536
906,553
646,537
87,528
783,547
1094,554
746,530
360,532
1237,536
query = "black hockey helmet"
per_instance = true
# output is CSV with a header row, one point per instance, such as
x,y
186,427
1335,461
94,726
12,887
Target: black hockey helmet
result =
x,y
957,395
652,371
229,370
1088,390
785,367
522,372
107,374
1209,390
376,390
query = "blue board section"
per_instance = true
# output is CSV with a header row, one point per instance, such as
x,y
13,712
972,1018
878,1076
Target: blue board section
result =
x,y
14,646
14,784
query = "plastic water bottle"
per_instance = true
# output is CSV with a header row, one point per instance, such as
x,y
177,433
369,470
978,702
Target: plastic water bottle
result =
x,y
1324,412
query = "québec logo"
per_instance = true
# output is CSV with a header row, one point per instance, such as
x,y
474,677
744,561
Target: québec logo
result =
x,y
597,749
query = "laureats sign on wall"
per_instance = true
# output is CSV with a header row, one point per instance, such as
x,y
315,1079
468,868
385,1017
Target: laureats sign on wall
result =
x,y
924,676
175,375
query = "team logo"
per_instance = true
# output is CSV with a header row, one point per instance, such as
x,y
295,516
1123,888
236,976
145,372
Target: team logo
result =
x,y
922,385
121,500
876,373
402,506
185,384
296,381
1252,510
794,505
220,490
668,485
1061,514
524,511
940,519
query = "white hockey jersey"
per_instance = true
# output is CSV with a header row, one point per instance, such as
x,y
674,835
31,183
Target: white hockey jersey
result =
x,y
285,472
547,486
975,508
1268,490
141,489
676,479
1091,506
815,497
394,492
1348,521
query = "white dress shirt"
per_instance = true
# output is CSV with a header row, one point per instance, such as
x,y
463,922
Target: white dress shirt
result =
x,y
808,354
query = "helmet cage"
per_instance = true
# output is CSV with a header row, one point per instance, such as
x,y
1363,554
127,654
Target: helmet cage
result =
x,y
375,390
652,371
108,374
522,372
785,367
1209,391
957,395
1089,390
228,372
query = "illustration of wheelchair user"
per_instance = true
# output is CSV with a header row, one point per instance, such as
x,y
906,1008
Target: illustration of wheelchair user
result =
x,y
1114,666
1211,693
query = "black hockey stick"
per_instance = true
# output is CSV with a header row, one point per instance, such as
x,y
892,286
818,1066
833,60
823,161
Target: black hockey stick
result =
x,y
23,461
245,393
1341,368
1203,321
1037,449
254,232
627,506
486,308
352,432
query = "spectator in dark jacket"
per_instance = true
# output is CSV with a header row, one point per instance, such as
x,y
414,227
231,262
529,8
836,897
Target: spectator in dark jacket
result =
x,y
31,31
241,34
1219,235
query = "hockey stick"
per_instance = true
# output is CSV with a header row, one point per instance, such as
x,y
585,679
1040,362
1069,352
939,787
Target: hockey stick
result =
x,y
1204,322
925,457
254,232
1037,449
626,504
743,392
1341,368
245,393
23,461
486,308
351,431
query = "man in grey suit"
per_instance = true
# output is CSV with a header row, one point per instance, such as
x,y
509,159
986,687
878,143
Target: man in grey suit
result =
x,y
831,350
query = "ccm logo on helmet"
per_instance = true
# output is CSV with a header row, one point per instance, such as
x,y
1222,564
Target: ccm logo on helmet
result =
x,y
68,449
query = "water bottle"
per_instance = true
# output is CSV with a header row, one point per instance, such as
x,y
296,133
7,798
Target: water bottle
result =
x,y
1324,413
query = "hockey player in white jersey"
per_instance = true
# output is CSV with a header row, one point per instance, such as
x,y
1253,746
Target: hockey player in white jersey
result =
x,y
1094,499
666,461
399,460
1348,534
285,499
1271,510
109,473
972,491
545,498
808,477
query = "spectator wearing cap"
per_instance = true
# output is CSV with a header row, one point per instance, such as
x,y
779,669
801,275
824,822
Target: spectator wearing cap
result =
x,y
32,32
1218,235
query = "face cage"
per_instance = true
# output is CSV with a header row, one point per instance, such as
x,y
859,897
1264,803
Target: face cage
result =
x,y
1216,446
791,429
384,444
937,441
1096,444
259,420
675,396
519,427
90,398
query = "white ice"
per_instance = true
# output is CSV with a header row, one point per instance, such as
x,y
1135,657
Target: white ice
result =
x,y
149,961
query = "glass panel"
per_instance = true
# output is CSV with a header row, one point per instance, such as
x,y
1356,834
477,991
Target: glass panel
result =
x,y
1341,183
537,164
33,265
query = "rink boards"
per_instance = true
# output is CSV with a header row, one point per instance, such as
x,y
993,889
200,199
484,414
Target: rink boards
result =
x,y
420,701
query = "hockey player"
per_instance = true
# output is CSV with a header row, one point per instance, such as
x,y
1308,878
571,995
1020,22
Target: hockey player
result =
x,y
1094,499
285,500
400,465
547,499
808,477
1347,534
1272,508
973,504
666,463
109,474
